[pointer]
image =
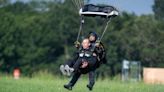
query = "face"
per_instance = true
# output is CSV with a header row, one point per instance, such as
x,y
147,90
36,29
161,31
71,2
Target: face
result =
x,y
92,38
86,43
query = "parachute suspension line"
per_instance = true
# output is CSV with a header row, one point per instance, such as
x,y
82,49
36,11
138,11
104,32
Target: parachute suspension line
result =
x,y
78,4
82,4
81,28
105,29
75,5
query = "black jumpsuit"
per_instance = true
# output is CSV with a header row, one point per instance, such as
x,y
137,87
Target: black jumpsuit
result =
x,y
87,56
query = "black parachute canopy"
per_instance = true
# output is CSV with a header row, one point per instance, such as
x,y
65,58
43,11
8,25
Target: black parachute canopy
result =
x,y
98,10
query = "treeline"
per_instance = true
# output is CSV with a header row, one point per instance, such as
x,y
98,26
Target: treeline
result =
x,y
37,36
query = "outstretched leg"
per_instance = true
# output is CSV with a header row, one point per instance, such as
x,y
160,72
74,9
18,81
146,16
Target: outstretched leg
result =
x,y
65,68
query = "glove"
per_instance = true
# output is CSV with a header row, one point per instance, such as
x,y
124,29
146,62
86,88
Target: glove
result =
x,y
97,43
77,44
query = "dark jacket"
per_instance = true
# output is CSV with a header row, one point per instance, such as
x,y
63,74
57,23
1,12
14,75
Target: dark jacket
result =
x,y
101,54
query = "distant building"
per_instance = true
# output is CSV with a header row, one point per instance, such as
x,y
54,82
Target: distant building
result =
x,y
131,70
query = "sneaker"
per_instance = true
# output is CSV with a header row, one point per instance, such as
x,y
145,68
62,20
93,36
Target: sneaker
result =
x,y
69,87
68,72
71,70
89,87
62,69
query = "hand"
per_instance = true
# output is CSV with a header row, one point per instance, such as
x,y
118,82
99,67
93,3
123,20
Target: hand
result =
x,y
94,54
84,64
77,44
97,43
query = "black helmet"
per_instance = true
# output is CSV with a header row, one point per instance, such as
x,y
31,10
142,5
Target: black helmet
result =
x,y
93,34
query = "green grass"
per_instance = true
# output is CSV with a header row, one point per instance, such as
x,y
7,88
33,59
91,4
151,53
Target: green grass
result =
x,y
8,84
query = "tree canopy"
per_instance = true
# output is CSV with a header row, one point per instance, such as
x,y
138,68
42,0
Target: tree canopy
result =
x,y
36,36
158,9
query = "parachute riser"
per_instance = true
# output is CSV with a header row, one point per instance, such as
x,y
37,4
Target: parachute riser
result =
x,y
108,19
81,27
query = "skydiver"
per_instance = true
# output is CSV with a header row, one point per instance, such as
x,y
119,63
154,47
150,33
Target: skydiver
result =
x,y
96,46
85,63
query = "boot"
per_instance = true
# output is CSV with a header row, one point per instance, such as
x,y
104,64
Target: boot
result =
x,y
68,86
90,87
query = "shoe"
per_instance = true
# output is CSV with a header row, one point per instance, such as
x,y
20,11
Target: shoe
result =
x,y
69,87
69,70
90,87
62,69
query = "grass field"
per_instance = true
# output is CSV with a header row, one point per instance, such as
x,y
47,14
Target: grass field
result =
x,y
8,84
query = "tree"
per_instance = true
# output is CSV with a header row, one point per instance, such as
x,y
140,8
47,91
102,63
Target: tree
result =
x,y
158,9
4,2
